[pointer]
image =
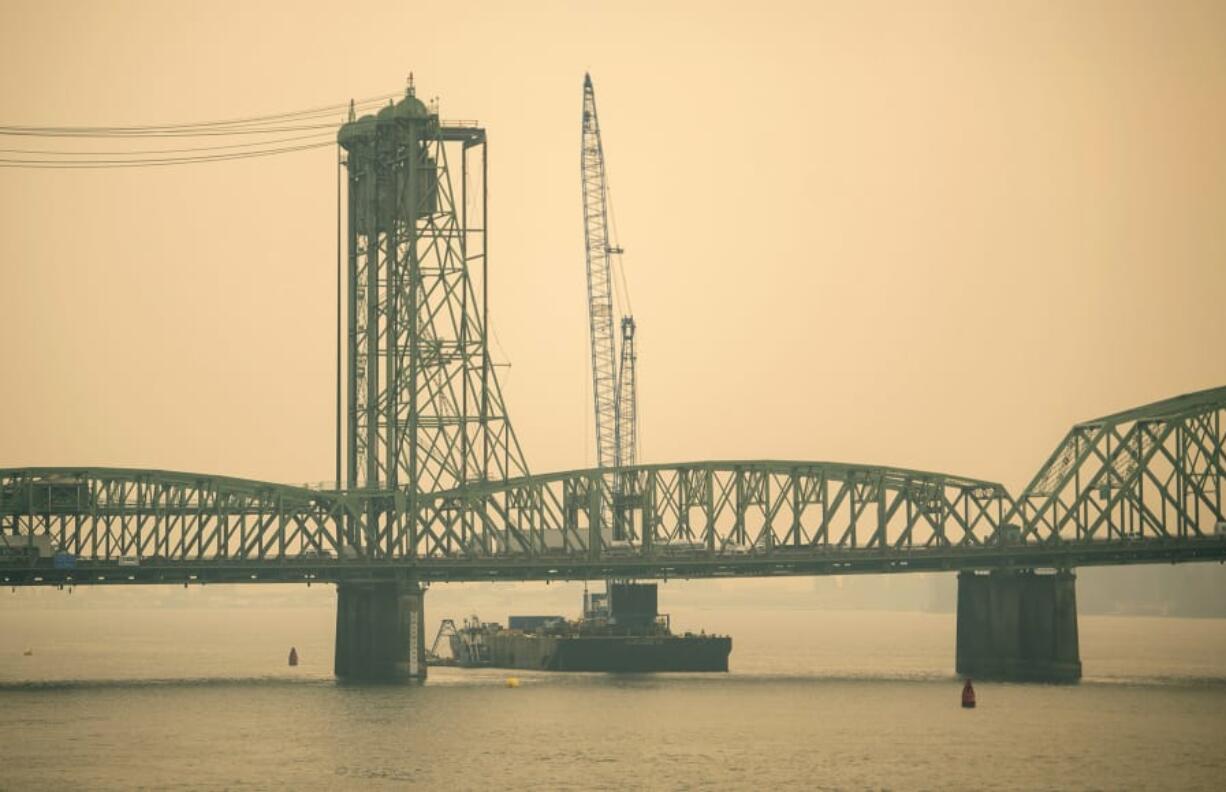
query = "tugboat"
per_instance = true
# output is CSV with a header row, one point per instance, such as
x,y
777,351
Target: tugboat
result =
x,y
621,630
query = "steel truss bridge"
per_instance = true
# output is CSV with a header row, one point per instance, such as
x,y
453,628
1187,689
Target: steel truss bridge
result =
x,y
1142,486
434,485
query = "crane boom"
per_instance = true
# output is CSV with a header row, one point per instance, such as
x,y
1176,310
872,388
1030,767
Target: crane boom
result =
x,y
627,398
599,281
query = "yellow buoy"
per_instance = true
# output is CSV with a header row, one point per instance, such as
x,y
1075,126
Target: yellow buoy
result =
x,y
512,682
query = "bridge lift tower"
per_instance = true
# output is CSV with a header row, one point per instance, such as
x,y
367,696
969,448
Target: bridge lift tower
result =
x,y
425,412
424,409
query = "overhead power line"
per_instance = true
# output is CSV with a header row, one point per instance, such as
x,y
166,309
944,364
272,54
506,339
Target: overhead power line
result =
x,y
219,132
227,139
224,126
153,162
316,137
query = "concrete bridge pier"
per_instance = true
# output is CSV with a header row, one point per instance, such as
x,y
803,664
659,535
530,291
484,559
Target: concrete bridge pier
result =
x,y
1018,626
380,631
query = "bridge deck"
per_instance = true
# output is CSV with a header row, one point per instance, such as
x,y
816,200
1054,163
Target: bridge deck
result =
x,y
783,563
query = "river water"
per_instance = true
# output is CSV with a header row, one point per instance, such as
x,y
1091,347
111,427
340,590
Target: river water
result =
x,y
202,697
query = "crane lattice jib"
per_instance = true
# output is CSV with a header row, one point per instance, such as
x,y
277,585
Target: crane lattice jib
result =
x,y
599,281
627,398
625,485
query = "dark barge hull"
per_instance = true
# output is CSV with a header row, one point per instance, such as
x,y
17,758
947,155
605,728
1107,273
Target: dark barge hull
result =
x,y
610,653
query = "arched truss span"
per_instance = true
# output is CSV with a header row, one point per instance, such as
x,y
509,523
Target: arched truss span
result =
x,y
1135,487
716,509
701,509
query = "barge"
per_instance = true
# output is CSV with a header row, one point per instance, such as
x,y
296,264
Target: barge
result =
x,y
621,630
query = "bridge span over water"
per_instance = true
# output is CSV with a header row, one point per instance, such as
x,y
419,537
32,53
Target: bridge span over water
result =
x,y
1142,486
432,485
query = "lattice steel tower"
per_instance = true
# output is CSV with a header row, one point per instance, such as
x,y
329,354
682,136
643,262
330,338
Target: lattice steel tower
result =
x,y
424,409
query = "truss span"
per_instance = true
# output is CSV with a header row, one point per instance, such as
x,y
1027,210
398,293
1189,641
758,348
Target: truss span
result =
x,y
1143,486
706,509
1153,473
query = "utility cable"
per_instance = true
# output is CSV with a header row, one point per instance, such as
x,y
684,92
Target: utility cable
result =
x,y
67,132
146,129
316,137
137,163
617,261
262,127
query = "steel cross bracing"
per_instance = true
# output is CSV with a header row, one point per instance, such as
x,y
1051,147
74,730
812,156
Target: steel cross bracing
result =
x,y
1150,473
1138,487
436,484
425,411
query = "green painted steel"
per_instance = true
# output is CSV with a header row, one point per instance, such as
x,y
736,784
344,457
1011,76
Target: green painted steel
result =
x,y
424,410
1154,472
1141,487
437,487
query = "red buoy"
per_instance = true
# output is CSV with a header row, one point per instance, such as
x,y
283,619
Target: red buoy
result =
x,y
968,695
293,659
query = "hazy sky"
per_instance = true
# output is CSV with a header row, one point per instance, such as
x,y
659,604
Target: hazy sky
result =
x,y
931,235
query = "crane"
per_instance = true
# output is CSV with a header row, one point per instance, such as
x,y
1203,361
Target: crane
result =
x,y
614,392
600,252
627,398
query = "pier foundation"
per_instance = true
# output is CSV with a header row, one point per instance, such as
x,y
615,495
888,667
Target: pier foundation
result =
x,y
1018,626
380,634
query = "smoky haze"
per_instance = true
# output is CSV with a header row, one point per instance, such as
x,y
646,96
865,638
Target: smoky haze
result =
x,y
923,235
